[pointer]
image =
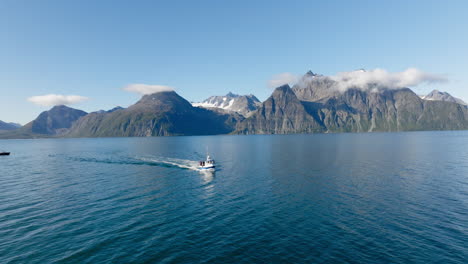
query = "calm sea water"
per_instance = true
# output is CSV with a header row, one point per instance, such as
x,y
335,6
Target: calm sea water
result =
x,y
335,198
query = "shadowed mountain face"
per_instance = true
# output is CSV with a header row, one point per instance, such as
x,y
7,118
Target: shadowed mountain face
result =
x,y
436,95
56,121
8,126
159,114
241,104
282,113
316,105
356,110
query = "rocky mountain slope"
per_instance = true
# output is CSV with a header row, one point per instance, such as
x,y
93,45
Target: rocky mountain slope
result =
x,y
241,104
437,95
158,114
52,123
281,113
56,121
325,108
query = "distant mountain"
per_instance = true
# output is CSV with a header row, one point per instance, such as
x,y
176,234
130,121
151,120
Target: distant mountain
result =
x,y
8,126
109,111
436,95
158,114
242,104
56,121
316,104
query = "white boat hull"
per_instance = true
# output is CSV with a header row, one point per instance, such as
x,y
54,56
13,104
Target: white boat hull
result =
x,y
206,167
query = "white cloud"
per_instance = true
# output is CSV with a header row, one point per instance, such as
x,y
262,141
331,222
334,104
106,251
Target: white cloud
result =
x,y
147,89
56,99
282,79
381,78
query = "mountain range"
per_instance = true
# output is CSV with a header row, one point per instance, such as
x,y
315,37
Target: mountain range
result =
x,y
354,110
159,114
315,104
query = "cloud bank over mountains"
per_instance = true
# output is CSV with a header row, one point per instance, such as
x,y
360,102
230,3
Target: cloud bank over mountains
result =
x,y
364,79
147,89
56,99
381,78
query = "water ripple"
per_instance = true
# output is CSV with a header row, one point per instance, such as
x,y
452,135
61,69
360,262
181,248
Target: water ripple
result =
x,y
275,199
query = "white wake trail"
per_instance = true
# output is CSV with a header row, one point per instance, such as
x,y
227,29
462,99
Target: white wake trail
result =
x,y
180,163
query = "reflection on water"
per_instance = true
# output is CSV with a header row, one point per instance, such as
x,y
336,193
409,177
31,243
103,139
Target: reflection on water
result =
x,y
207,175
208,184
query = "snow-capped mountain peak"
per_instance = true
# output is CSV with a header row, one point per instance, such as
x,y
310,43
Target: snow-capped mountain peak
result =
x,y
242,104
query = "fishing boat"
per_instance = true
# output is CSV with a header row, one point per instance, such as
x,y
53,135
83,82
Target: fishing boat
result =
x,y
208,164
4,153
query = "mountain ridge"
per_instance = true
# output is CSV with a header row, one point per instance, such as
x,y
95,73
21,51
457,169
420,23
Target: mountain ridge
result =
x,y
315,104
241,104
436,95
358,110
8,126
158,114
55,121
281,113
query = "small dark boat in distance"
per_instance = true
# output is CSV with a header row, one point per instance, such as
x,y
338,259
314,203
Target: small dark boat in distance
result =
x,y
4,153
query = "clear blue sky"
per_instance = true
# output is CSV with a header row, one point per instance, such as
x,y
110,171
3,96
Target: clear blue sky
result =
x,y
204,48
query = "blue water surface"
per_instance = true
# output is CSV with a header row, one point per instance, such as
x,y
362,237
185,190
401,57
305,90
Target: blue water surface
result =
x,y
322,198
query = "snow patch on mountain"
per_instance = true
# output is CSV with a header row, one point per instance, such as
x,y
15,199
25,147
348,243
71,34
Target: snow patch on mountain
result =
x,y
242,104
